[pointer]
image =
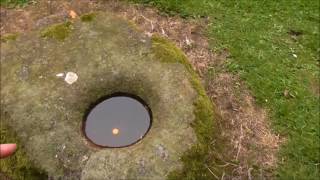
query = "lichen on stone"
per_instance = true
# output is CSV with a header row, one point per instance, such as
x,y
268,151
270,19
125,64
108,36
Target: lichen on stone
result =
x,y
58,31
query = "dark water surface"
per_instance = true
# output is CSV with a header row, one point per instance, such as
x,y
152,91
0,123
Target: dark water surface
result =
x,y
117,122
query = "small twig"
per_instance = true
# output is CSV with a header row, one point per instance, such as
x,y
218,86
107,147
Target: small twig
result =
x,y
233,164
212,172
188,41
249,173
152,27
222,177
239,143
224,165
234,109
163,32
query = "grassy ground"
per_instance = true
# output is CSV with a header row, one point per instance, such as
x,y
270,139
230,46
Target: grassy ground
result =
x,y
274,47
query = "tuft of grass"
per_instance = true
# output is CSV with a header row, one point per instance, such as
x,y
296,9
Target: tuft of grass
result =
x,y
274,47
88,17
9,37
13,3
58,31
198,159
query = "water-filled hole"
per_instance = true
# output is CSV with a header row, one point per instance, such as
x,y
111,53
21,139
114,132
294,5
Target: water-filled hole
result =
x,y
118,120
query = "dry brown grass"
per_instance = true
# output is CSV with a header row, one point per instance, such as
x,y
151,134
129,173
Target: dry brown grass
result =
x,y
245,125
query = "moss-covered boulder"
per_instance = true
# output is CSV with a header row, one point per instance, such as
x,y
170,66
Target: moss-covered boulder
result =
x,y
45,110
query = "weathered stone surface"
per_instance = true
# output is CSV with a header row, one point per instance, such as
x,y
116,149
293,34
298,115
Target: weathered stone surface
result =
x,y
108,55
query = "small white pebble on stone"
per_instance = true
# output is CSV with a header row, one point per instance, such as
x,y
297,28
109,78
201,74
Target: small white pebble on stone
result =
x,y
71,77
60,75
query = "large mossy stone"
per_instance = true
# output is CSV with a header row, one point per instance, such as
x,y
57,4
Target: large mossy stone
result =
x,y
108,55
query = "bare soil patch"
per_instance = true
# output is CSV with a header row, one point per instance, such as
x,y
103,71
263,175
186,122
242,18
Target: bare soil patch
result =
x,y
244,125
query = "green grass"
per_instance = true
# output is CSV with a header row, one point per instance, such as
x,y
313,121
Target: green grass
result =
x,y
13,3
274,47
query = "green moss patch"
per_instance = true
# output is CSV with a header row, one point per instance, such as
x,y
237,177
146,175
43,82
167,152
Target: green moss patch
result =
x,y
9,37
166,51
57,31
88,17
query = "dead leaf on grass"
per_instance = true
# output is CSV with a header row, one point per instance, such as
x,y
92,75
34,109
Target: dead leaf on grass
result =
x,y
72,14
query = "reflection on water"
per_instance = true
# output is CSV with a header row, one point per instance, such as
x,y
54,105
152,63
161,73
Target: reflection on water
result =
x,y
116,122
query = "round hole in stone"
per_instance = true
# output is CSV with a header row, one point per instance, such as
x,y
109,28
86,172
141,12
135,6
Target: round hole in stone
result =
x,y
119,120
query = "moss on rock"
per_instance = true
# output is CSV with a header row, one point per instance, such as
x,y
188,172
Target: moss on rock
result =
x,y
9,37
194,159
88,17
108,55
57,31
166,51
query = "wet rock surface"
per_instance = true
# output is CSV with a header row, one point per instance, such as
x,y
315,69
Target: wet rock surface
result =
x,y
106,55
